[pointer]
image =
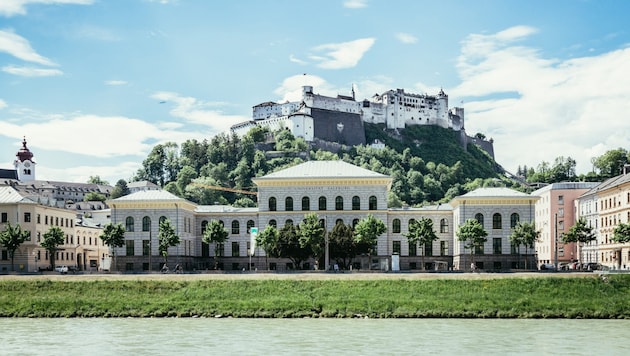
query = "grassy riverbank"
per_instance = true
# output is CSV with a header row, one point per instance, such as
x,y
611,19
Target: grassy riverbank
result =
x,y
542,297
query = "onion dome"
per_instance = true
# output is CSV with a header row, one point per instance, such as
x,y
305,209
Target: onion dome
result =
x,y
24,153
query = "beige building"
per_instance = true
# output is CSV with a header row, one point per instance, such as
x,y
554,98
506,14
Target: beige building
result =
x,y
498,210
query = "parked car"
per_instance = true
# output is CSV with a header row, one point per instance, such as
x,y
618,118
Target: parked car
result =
x,y
593,266
62,269
547,266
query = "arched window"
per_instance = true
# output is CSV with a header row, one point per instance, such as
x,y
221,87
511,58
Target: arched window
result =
x,y
410,222
479,218
273,223
236,227
372,203
129,224
396,226
496,221
322,203
162,219
322,223
356,203
272,204
204,226
443,225
514,219
288,222
339,221
288,204
250,224
306,203
146,223
339,203
355,222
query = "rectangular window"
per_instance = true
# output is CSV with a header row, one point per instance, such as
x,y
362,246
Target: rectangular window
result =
x,y
560,199
220,250
413,249
235,249
428,249
496,245
39,219
5,255
561,212
396,247
513,249
443,248
145,247
479,250
5,217
27,217
129,247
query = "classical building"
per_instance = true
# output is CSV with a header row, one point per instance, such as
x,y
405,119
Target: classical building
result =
x,y
337,192
498,210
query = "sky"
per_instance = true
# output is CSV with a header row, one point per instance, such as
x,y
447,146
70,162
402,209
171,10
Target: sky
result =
x,y
94,85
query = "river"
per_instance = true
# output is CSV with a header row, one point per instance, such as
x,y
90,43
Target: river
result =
x,y
201,336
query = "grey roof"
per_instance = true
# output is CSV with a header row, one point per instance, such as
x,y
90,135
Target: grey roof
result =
x,y
10,195
439,207
224,209
142,183
148,195
495,193
323,169
609,183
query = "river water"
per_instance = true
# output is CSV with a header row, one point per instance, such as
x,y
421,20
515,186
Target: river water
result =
x,y
201,336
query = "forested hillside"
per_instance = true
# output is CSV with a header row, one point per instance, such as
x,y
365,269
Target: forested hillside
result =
x,y
427,164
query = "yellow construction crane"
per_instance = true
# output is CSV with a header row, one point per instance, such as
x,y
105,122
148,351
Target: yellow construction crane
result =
x,y
215,187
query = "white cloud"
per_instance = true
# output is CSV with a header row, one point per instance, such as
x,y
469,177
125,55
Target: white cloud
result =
x,y
291,87
18,7
355,4
31,71
199,112
19,47
294,59
81,174
406,38
537,108
342,55
3,104
115,82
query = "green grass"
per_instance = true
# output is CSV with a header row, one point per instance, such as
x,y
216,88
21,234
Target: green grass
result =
x,y
492,298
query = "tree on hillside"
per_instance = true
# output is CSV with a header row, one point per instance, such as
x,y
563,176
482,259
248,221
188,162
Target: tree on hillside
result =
x,y
367,232
622,233
51,239
97,180
11,238
472,234
267,239
421,232
166,238
120,189
611,163
312,235
113,236
217,234
524,234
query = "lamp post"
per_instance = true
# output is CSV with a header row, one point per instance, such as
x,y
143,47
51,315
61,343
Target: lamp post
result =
x,y
326,249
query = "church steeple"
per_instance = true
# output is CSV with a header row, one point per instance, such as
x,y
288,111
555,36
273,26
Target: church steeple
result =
x,y
24,164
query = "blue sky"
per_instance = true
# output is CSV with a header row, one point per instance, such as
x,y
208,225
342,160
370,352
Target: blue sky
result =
x,y
95,84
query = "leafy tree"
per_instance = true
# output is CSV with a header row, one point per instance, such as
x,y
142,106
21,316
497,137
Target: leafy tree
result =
x,y
621,233
289,246
258,133
267,239
611,163
166,238
421,232
580,233
51,239
97,180
185,176
524,234
11,238
312,235
94,196
367,232
173,188
473,235
342,246
113,236
215,233
244,202
120,189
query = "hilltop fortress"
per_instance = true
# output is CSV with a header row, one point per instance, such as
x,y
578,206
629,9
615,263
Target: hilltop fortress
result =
x,y
340,119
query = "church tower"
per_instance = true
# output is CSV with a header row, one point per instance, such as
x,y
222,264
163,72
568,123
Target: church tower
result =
x,y
24,164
